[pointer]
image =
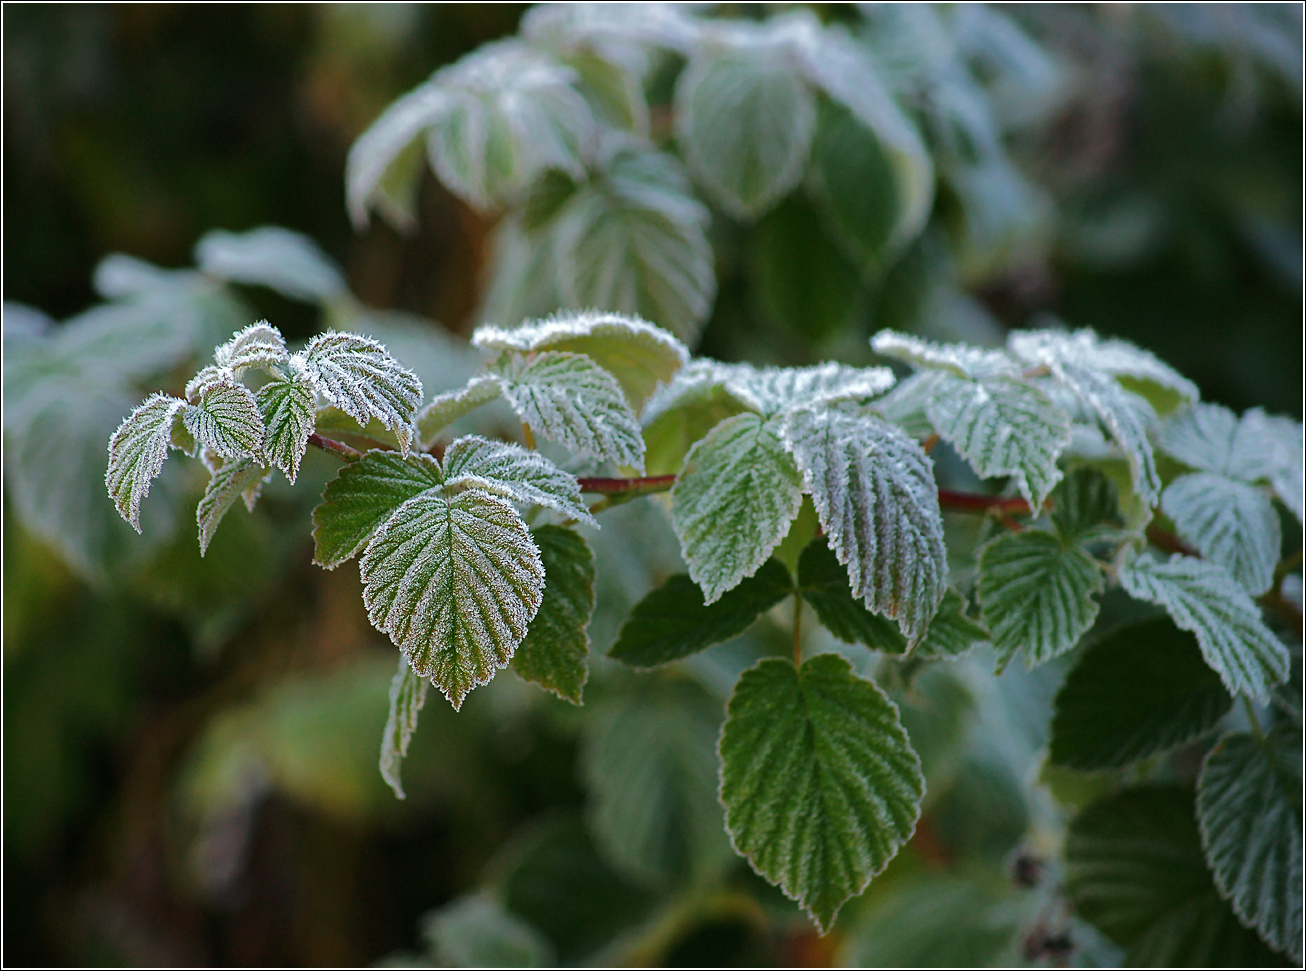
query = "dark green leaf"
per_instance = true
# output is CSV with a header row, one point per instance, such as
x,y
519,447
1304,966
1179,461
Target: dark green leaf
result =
x,y
364,496
556,645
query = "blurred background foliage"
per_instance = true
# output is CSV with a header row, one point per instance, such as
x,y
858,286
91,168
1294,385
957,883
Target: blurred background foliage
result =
x,y
190,745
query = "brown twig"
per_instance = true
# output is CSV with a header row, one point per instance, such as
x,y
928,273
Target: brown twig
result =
x,y
339,449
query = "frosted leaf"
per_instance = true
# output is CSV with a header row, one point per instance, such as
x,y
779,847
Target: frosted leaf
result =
x,y
209,376
554,651
1285,436
634,240
447,408
775,390
288,262
622,32
523,274
477,931
1078,361
407,695
733,502
744,119
226,418
240,478
962,360
455,583
289,410
384,142
1002,426
363,496
1112,356
1036,595
639,355
137,451
1257,447
508,470
1201,597
905,404
1231,523
259,345
874,491
359,376
571,400
682,412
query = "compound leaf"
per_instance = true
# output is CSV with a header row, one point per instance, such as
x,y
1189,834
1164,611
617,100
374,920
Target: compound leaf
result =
x,y
508,470
555,649
733,502
873,488
227,418
1036,595
1105,718
137,451
682,412
288,262
1229,522
455,583
820,784
1249,810
447,408
357,375
568,398
259,345
289,408
672,621
234,479
407,695
1204,599
362,497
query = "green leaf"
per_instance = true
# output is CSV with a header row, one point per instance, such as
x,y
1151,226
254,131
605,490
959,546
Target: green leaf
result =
x,y
672,621
873,488
407,695
639,355
362,497
775,390
951,633
556,647
811,289
733,502
684,411
289,409
1134,870
1140,690
648,759
1249,806
571,400
137,451
290,263
1085,506
959,360
1281,463
1204,599
235,479
259,345
359,376
226,419
634,240
1002,426
384,151
455,583
1036,595
1230,523
447,408
475,931
820,784
508,470
744,120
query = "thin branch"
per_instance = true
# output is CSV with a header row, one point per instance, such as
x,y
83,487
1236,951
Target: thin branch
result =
x,y
627,487
338,449
1168,541
970,502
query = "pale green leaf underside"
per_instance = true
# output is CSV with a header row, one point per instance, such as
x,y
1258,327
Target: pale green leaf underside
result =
x,y
1036,596
820,784
733,502
407,695
477,931
455,583
1204,599
447,408
1105,719
1111,356
745,121
358,376
1002,426
961,360
684,411
1249,808
874,491
515,473
1230,523
1210,438
571,400
227,420
775,390
235,479
288,262
137,451
554,652
289,410
362,497
378,148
